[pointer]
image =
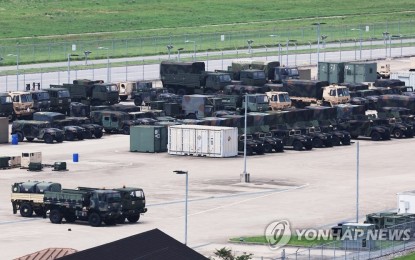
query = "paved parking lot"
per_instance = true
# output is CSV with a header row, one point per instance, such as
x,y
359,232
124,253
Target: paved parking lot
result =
x,y
310,189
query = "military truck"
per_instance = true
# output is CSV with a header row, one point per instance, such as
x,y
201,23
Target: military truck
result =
x,y
256,103
6,106
60,100
22,104
293,138
397,101
135,89
252,145
94,206
282,74
270,143
41,100
91,92
191,78
27,197
133,202
384,72
362,126
93,130
59,121
114,121
238,66
278,100
40,130
306,92
397,128
198,106
319,138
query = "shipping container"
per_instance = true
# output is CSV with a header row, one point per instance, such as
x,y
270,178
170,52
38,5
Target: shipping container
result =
x,y
200,140
4,130
27,158
148,139
333,72
356,72
407,77
406,202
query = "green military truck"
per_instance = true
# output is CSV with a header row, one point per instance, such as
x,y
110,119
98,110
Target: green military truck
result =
x,y
94,206
191,78
91,92
27,197
6,106
133,203
40,130
114,121
60,99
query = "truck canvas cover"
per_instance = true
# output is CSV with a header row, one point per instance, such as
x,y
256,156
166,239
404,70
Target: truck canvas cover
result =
x,y
305,88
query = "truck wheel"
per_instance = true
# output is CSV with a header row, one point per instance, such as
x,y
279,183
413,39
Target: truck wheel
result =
x,y
133,219
26,210
60,139
121,220
375,136
20,136
70,217
267,148
94,219
298,146
98,133
69,136
317,143
30,139
55,216
138,101
48,139
397,133
126,130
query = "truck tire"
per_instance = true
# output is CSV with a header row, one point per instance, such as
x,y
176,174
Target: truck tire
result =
x,y
70,217
94,219
308,147
55,216
20,136
397,133
121,220
48,138
375,136
317,143
297,145
60,139
138,101
267,148
133,219
126,130
26,210
98,134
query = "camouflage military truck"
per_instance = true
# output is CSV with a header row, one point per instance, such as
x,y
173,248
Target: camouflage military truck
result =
x,y
292,138
41,100
399,112
58,120
91,92
252,145
278,100
191,78
133,202
94,206
93,130
27,197
362,126
6,106
22,104
60,99
114,121
270,143
256,103
40,130
397,128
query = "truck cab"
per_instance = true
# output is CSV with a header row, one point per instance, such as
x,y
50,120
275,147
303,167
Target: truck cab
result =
x,y
278,100
284,73
6,106
256,103
60,99
253,77
22,103
334,95
41,100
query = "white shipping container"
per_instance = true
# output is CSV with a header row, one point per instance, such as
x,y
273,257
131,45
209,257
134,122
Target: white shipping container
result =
x,y
35,157
15,161
405,76
200,140
406,202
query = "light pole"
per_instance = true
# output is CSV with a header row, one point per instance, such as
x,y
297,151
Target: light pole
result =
x,y
323,39
245,176
318,40
250,46
169,47
108,63
385,38
178,53
194,48
86,56
69,65
360,39
187,191
17,68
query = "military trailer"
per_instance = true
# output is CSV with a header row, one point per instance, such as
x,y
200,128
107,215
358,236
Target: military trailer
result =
x,y
60,99
22,104
41,130
133,202
27,197
306,92
191,78
6,106
94,206
92,92
59,121
41,100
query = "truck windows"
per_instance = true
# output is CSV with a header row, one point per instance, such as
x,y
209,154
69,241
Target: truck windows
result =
x,y
112,88
225,78
284,98
26,98
63,93
16,99
5,100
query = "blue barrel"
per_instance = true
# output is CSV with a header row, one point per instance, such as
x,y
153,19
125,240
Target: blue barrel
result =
x,y
75,157
15,139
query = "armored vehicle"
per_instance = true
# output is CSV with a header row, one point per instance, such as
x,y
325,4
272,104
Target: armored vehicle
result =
x,y
114,121
285,73
319,138
6,106
93,130
133,203
41,130
60,99
27,197
41,100
293,138
22,104
94,206
270,143
362,126
58,120
338,136
397,128
191,78
252,145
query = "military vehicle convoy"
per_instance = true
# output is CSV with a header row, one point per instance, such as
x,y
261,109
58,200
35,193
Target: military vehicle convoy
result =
x,y
41,130
6,106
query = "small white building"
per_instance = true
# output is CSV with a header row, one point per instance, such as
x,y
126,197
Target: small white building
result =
x,y
406,202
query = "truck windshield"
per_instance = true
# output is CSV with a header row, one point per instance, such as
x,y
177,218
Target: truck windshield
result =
x,y
26,98
112,88
43,96
292,72
258,75
284,98
63,93
343,92
261,99
110,197
5,100
139,194
225,78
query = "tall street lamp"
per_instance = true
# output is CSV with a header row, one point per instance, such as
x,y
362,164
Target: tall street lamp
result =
x,y
318,39
360,39
194,48
169,47
178,53
385,38
17,68
108,63
187,191
69,65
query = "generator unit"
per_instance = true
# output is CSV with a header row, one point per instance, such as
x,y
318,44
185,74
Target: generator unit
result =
x,y
27,158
